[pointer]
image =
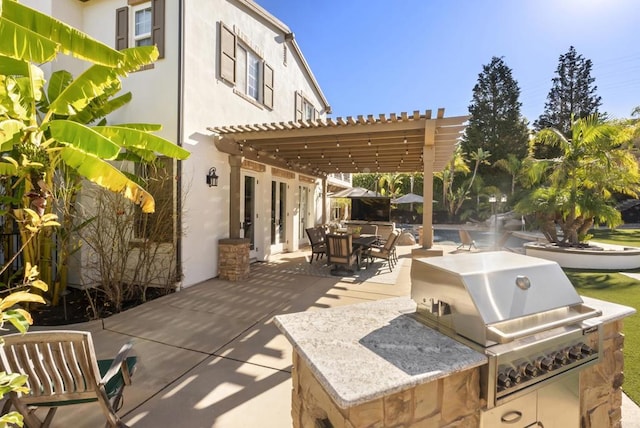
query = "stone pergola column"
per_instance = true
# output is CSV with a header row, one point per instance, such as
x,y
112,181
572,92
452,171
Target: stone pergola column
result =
x,y
234,196
233,252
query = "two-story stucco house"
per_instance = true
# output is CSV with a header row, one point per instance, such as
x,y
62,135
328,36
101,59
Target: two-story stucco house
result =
x,y
222,62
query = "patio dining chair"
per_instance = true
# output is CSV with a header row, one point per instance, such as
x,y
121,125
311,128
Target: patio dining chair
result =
x,y
317,241
385,252
340,252
62,370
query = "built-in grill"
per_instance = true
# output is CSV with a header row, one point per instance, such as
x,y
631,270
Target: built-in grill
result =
x,y
521,311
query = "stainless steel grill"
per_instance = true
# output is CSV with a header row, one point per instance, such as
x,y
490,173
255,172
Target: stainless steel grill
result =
x,y
521,311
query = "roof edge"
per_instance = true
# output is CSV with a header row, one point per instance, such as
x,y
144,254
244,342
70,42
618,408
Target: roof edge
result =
x,y
289,36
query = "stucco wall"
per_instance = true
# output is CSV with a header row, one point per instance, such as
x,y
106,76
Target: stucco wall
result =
x,y
208,101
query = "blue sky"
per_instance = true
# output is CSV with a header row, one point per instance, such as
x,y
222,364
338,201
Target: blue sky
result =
x,y
390,56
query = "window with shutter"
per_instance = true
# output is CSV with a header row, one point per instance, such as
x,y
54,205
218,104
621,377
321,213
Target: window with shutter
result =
x,y
122,28
268,86
298,110
304,109
227,54
144,27
157,25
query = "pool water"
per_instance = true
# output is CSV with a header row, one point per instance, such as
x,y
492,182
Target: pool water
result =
x,y
483,238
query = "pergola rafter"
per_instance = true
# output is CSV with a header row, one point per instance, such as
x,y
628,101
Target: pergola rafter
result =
x,y
404,143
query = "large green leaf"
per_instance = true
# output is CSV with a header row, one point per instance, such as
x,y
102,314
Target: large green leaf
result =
x,y
100,107
145,127
10,131
58,82
84,138
21,43
93,83
13,66
133,138
137,57
106,175
70,40
7,168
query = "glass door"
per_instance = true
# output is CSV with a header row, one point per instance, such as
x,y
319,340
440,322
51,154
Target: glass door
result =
x,y
248,212
278,215
303,212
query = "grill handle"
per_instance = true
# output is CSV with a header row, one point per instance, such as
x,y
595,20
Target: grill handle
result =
x,y
503,337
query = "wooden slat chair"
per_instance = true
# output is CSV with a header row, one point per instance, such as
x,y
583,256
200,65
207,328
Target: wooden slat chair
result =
x,y
387,251
340,252
62,370
317,241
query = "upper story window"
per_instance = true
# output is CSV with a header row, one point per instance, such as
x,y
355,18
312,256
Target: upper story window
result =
x,y
241,66
304,109
248,71
141,23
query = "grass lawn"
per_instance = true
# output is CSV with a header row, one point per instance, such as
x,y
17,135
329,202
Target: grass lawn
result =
x,y
617,288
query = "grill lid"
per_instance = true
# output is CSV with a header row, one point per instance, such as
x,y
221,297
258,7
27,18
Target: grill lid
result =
x,y
504,285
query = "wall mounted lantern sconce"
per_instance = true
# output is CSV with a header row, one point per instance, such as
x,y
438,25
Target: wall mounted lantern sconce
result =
x,y
212,177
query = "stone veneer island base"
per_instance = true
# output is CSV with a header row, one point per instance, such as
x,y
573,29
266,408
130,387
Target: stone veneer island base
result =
x,y
372,365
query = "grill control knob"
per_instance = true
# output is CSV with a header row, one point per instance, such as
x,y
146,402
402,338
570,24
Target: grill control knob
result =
x,y
575,353
504,381
545,363
514,375
530,370
560,358
586,350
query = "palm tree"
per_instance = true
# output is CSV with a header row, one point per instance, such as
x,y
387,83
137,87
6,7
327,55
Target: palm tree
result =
x,y
512,165
576,189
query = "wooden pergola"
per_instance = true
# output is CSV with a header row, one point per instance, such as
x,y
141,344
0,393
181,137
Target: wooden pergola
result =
x,y
404,143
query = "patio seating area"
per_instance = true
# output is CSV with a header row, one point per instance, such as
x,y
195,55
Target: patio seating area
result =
x,y
211,356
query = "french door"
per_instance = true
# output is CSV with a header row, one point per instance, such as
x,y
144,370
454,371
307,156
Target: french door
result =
x,y
278,215
248,214
303,212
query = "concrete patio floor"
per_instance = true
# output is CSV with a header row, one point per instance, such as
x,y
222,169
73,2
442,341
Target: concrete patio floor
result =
x,y
211,356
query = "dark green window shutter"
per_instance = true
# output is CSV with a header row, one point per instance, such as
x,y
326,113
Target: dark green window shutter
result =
x,y
157,25
122,28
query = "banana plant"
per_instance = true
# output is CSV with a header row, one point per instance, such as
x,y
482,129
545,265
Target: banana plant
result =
x,y
43,132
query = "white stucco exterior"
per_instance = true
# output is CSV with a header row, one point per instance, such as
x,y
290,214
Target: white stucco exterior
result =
x,y
186,95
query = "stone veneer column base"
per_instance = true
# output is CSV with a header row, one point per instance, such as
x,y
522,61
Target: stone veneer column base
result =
x,y
452,401
600,385
233,259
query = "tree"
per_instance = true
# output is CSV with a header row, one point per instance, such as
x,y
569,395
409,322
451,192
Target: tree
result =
x,y
512,166
390,184
577,188
572,95
47,135
496,124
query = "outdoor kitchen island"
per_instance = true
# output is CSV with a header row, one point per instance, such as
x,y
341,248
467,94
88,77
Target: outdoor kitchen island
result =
x,y
374,365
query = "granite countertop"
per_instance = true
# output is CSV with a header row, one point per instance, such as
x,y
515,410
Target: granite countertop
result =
x,y
369,350
610,311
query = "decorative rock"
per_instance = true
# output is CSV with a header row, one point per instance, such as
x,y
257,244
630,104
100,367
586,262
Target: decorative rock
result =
x,y
406,238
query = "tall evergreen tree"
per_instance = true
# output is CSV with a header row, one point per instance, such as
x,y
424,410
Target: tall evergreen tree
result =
x,y
573,93
496,124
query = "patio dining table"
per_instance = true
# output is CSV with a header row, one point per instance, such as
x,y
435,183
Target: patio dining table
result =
x,y
363,243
